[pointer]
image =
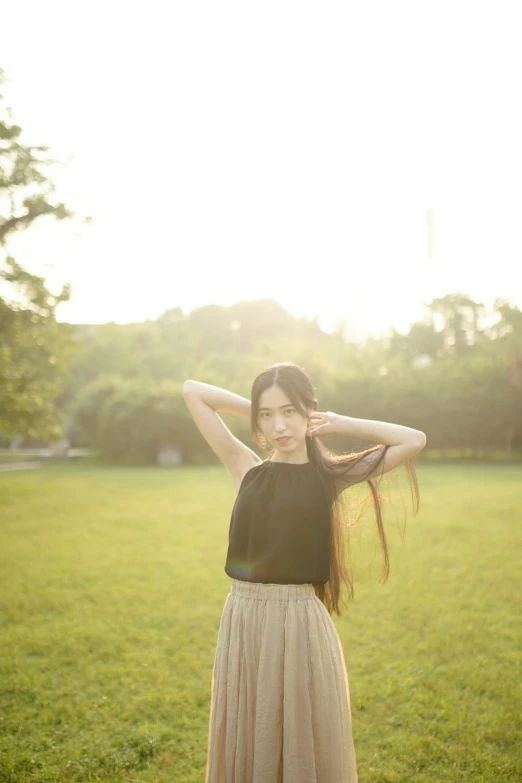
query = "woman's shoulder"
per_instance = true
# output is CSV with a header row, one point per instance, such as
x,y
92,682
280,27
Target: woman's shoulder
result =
x,y
243,476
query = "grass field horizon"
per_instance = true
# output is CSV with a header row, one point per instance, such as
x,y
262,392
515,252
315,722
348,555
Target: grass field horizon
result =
x,y
112,588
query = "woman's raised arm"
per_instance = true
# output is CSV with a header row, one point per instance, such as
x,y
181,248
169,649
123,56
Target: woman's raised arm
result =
x,y
203,401
219,399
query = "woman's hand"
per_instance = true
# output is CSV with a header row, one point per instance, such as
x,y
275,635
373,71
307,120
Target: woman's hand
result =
x,y
322,423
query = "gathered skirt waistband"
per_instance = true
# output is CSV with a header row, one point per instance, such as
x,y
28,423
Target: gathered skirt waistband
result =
x,y
270,591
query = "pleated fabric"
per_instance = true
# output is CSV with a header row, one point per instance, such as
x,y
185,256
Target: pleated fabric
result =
x,y
280,702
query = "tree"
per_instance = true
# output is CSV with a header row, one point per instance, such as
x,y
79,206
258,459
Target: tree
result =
x,y
34,347
131,419
460,315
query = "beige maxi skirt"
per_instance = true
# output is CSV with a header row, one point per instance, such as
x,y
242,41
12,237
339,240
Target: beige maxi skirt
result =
x,y
280,702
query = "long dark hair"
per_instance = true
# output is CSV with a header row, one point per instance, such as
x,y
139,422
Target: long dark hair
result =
x,y
296,384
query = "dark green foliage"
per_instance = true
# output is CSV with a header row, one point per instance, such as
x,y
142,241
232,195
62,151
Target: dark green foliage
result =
x,y
34,349
131,419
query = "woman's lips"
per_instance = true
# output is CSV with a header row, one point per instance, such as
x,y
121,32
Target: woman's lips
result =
x,y
283,440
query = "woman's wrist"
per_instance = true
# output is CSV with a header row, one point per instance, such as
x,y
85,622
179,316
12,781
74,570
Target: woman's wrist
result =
x,y
377,431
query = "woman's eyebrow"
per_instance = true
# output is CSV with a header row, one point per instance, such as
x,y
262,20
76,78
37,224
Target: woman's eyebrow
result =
x,y
281,406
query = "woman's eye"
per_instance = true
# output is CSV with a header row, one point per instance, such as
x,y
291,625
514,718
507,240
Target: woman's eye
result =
x,y
265,413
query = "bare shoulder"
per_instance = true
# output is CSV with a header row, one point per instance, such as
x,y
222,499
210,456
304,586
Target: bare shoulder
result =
x,y
246,460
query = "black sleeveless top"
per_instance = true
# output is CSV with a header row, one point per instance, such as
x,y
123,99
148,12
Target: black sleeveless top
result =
x,y
279,528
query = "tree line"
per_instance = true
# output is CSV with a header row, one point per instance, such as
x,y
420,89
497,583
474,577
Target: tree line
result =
x,y
456,374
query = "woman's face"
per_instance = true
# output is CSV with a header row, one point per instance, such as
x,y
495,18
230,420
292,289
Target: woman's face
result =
x,y
277,417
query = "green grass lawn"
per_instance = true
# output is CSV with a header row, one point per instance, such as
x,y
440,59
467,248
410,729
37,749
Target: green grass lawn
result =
x,y
112,587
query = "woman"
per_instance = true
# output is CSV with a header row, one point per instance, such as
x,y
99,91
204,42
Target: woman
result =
x,y
280,704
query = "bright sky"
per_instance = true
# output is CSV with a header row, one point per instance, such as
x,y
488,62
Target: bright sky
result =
x,y
236,150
